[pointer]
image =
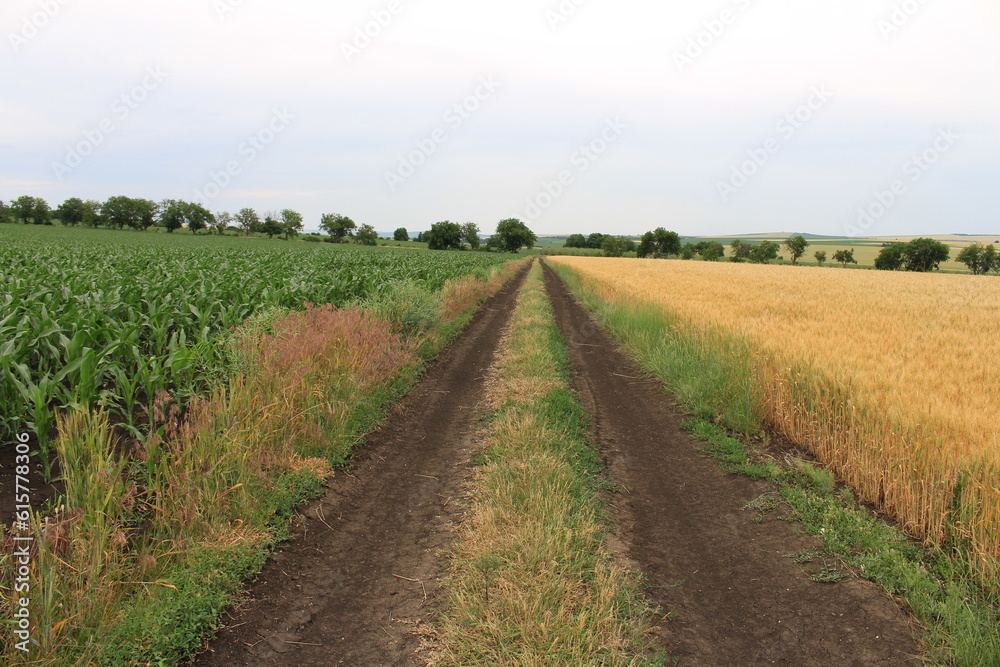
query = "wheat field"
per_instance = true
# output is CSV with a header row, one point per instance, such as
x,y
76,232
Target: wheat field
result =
x,y
892,379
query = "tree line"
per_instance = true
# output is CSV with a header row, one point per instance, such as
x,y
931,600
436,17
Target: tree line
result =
x,y
925,254
511,235
123,212
918,255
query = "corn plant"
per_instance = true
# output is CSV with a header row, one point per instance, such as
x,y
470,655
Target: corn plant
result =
x,y
115,321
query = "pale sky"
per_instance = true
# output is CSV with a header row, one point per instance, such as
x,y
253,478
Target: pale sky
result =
x,y
875,117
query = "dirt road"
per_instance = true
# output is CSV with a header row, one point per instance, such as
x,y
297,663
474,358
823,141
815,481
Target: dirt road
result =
x,y
356,586
738,599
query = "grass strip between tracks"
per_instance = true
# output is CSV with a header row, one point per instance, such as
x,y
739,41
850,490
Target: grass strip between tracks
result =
x,y
532,581
711,379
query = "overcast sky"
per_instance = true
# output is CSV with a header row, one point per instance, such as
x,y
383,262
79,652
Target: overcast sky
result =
x,y
876,117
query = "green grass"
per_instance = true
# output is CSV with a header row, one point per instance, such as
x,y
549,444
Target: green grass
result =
x,y
532,581
711,379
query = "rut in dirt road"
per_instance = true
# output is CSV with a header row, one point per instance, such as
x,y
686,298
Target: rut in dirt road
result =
x,y
358,585
738,599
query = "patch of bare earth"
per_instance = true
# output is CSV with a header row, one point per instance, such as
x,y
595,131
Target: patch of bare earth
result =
x,y
357,585
730,594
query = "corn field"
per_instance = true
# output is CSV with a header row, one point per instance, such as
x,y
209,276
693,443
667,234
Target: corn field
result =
x,y
112,322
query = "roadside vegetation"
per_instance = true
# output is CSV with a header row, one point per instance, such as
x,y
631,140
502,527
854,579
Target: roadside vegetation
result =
x,y
532,581
868,393
205,402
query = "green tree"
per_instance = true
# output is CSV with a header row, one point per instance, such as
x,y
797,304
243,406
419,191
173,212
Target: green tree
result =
x,y
199,217
688,251
173,215
891,257
92,213
991,259
616,246
764,252
595,241
71,212
4,212
820,256
512,235
710,251
248,220
120,212
223,221
923,255
845,257
291,223
22,209
401,234
272,226
30,210
470,234
796,247
145,213
338,226
981,259
739,251
445,235
647,245
367,235
667,243
575,241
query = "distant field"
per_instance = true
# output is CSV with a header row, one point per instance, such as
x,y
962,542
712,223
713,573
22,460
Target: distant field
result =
x,y
888,377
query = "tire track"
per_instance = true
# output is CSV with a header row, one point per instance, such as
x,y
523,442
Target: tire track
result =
x,y
738,600
357,586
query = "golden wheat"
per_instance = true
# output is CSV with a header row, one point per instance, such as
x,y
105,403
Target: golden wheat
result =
x,y
893,379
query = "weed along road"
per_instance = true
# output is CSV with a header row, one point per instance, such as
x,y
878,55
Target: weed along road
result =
x,y
358,584
731,595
